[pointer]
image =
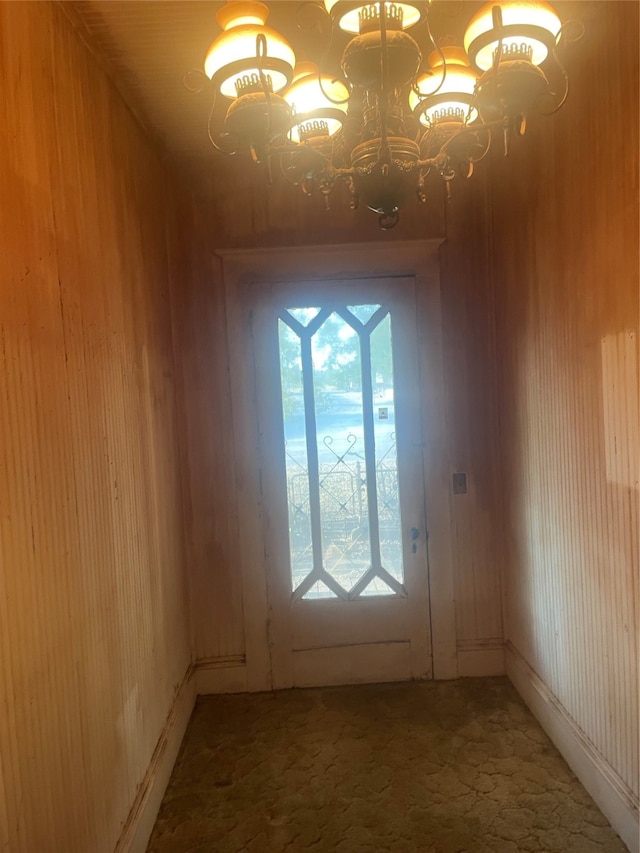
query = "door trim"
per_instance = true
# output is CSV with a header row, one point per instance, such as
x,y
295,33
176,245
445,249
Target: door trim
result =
x,y
244,272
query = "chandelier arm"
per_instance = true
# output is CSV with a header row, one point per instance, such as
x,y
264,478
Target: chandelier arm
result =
x,y
425,172
487,147
342,80
469,113
344,171
565,93
570,31
196,74
497,55
428,162
495,68
261,52
347,85
210,133
440,52
439,159
289,180
384,88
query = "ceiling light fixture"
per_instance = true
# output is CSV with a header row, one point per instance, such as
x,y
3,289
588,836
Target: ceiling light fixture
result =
x,y
383,126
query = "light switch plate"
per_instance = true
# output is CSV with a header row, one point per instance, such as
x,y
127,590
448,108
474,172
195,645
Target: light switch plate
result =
x,y
459,484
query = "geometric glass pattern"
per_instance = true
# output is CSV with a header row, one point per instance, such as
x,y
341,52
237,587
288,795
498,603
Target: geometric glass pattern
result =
x,y
336,378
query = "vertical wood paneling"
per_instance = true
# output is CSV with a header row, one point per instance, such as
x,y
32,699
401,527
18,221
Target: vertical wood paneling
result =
x,y
469,368
210,502
93,617
565,227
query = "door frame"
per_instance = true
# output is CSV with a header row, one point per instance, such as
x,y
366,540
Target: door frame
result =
x,y
364,639
249,271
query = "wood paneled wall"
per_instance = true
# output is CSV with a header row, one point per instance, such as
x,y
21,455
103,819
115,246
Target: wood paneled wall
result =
x,y
565,252
233,208
93,616
212,526
471,391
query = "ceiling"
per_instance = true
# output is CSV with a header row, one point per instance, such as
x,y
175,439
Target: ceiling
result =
x,y
148,46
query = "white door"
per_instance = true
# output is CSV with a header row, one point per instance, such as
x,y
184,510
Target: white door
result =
x,y
339,417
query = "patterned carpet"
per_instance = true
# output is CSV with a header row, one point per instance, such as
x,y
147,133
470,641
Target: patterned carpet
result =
x,y
436,767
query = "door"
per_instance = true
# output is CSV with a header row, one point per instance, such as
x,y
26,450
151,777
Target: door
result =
x,y
339,418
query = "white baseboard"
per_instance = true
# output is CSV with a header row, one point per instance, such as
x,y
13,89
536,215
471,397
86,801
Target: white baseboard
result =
x,y
220,675
480,658
229,674
142,817
615,799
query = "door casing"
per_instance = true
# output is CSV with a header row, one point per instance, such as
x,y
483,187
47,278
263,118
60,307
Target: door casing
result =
x,y
248,274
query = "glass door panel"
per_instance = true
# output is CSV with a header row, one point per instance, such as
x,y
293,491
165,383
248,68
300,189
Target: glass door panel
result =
x,y
337,388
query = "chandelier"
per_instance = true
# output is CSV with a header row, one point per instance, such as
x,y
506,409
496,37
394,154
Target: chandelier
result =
x,y
382,124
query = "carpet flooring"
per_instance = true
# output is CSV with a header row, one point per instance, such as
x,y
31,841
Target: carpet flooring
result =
x,y
436,767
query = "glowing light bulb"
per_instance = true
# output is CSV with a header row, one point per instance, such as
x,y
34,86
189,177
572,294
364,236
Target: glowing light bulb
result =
x,y
311,101
529,29
447,99
348,14
232,62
